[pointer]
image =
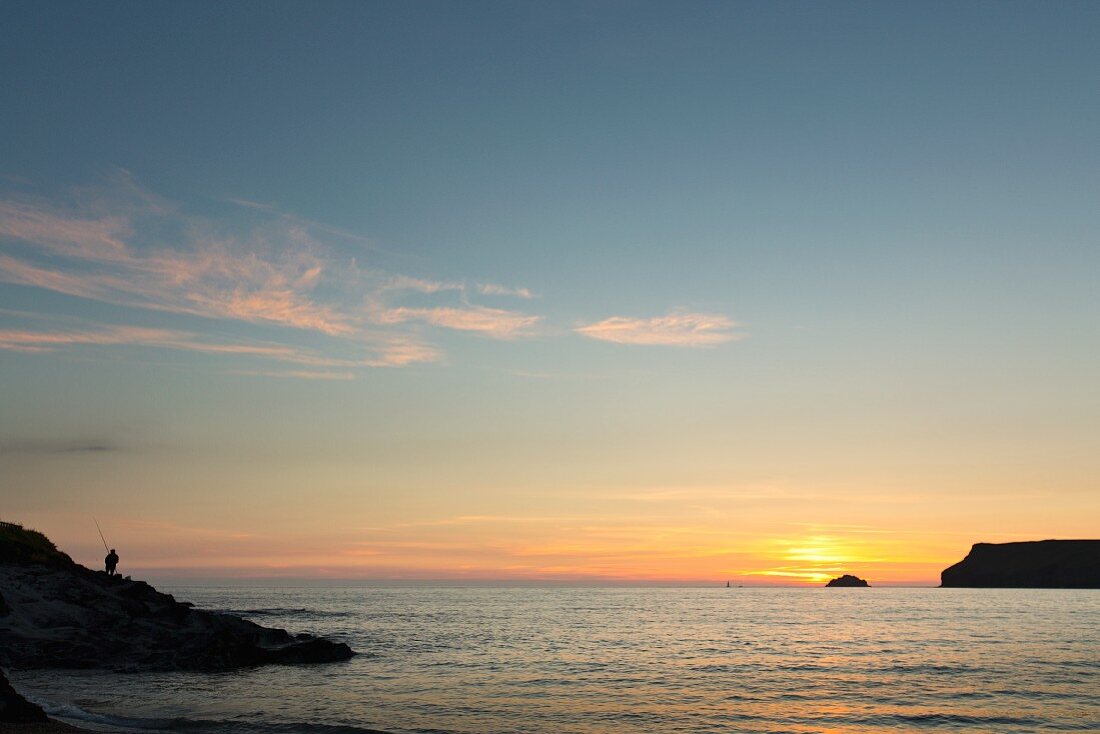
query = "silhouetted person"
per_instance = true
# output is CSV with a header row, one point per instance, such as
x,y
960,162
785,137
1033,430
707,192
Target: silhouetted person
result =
x,y
111,561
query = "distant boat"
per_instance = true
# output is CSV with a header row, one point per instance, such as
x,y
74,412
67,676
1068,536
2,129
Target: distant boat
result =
x,y
727,584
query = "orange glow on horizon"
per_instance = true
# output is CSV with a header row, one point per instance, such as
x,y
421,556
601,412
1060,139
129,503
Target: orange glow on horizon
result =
x,y
748,535
525,550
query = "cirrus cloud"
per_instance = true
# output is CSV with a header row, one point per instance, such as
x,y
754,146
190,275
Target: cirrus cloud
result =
x,y
396,352
678,329
119,244
492,322
493,289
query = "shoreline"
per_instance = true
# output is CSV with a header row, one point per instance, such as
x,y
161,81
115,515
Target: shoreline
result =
x,y
53,726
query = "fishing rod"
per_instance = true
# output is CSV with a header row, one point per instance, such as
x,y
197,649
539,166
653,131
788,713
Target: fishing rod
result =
x,y
101,535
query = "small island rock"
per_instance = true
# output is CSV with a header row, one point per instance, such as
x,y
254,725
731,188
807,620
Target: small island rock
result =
x,y
848,580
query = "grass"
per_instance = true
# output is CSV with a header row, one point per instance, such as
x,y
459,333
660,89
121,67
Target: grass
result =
x,y
20,545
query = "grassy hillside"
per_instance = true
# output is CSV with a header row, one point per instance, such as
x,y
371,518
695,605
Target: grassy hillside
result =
x,y
20,545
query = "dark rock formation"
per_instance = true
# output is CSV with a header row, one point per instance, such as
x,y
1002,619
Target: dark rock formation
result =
x,y
1039,564
14,709
58,614
847,580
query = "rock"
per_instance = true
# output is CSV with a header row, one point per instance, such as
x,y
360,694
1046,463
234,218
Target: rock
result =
x,y
63,615
847,580
14,709
1039,564
316,650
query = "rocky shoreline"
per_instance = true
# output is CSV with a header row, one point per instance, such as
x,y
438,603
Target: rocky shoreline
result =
x,y
55,613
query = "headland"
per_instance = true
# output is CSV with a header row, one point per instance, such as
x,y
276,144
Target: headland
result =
x,y
1039,564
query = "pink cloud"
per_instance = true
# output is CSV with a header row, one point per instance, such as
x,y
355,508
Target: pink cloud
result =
x,y
35,341
681,329
391,352
21,272
29,340
493,322
401,352
419,285
107,244
88,238
491,289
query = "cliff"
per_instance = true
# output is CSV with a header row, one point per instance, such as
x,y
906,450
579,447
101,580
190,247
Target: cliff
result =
x,y
55,613
1041,564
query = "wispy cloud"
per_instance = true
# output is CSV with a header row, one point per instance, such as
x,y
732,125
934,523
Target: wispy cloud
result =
x,y
41,341
221,281
420,285
21,272
120,244
22,340
401,352
678,329
491,289
424,285
494,322
396,352
266,275
99,238
249,204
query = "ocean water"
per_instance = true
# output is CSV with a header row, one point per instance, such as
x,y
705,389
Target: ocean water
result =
x,y
587,660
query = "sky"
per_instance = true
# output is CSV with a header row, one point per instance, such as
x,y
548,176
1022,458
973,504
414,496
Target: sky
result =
x,y
616,292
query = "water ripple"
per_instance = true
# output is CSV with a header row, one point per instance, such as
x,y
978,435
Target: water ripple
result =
x,y
604,661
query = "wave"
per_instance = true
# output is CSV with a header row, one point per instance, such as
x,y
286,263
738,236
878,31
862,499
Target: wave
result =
x,y
73,714
935,719
284,728
282,612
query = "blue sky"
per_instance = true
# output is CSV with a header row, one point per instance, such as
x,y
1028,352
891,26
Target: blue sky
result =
x,y
361,263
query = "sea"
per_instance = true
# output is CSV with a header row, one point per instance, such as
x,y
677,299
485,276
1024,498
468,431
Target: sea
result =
x,y
552,660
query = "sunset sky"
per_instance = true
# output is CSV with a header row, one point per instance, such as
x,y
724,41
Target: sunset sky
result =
x,y
571,292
